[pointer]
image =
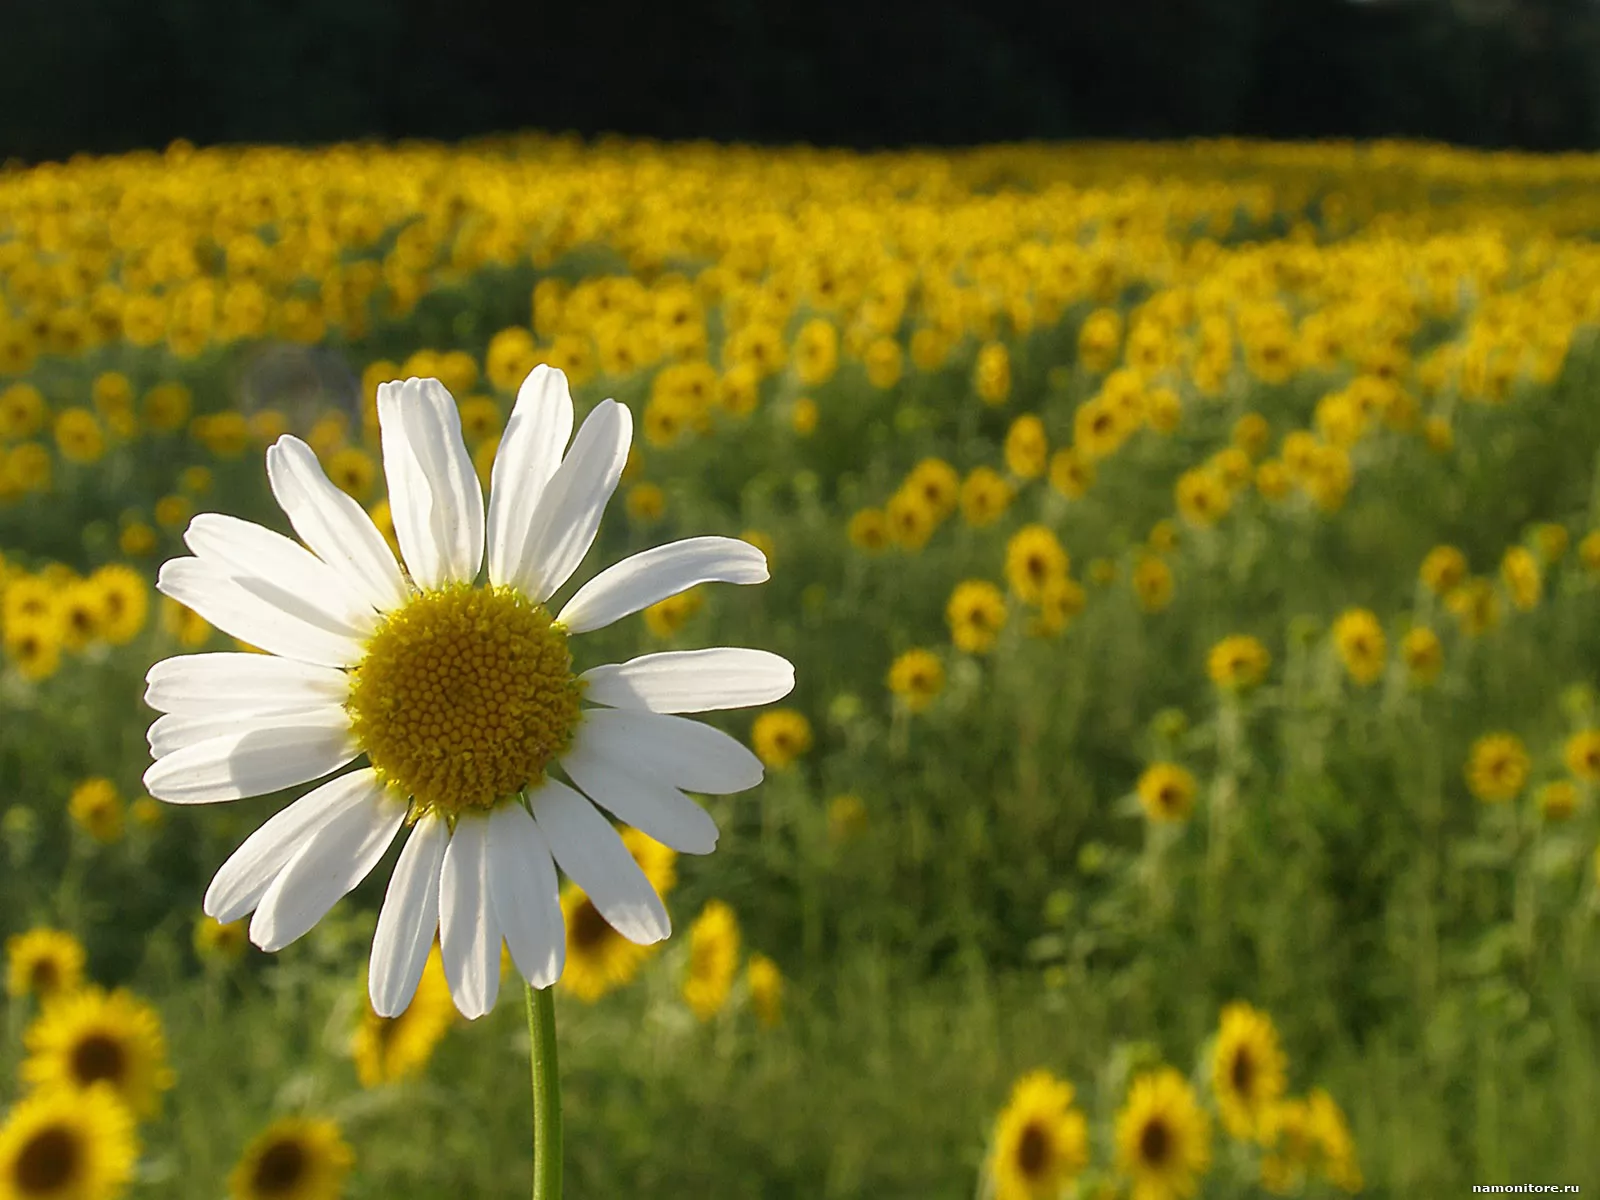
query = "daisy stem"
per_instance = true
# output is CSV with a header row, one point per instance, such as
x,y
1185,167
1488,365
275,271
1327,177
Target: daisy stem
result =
x,y
546,1094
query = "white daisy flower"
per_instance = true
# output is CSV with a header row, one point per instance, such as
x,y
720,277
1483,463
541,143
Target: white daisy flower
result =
x,y
460,697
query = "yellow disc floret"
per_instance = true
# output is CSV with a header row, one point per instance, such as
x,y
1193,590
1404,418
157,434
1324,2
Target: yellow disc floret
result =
x,y
464,697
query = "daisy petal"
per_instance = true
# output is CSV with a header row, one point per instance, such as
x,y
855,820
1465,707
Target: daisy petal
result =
x,y
336,528
408,920
336,858
640,580
526,894
592,852
529,453
252,762
684,753
217,597
434,495
649,805
281,572
240,883
469,935
240,683
681,681
176,731
552,545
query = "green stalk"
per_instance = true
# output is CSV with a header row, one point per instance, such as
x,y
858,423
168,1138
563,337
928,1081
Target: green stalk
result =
x,y
546,1094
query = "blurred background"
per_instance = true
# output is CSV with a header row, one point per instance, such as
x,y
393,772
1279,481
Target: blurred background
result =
x,y
109,75
1190,550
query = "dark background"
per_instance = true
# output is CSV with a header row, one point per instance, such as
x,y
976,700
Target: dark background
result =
x,y
108,75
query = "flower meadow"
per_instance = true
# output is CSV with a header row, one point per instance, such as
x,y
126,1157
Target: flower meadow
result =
x,y
1188,555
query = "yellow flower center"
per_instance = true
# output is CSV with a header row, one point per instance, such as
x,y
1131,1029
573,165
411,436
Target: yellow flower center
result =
x,y
464,697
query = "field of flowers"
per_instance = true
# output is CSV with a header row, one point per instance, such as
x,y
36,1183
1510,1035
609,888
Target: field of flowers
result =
x,y
1190,559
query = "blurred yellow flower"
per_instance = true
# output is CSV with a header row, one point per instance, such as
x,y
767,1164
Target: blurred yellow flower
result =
x,y
1202,498
991,374
665,617
816,352
96,807
1497,767
645,502
713,959
1027,449
1040,1141
44,963
976,612
167,407
1361,645
985,496
599,959
1582,755
1167,792
1238,662
765,982
779,736
62,1144
910,518
1070,474
1099,339
869,530
301,1157
1152,583
218,942
389,1049
803,417
884,362
1163,1136
22,411
78,436
97,1037
1423,655
124,602
1247,1071
1557,800
917,678
1163,410
1523,579
173,511
1034,560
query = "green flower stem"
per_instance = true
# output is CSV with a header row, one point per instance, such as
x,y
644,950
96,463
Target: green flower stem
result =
x,y
546,1094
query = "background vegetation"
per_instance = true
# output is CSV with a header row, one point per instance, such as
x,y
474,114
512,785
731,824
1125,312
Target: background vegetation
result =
x,y
1248,389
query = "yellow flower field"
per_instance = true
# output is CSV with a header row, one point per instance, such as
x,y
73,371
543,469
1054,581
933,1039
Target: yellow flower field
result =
x,y
1190,559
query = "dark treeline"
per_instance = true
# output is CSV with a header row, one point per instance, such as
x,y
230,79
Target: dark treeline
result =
x,y
106,75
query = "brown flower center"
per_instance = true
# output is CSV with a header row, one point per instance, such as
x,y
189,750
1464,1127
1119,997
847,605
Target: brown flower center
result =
x,y
588,928
1242,1074
48,1162
1155,1142
99,1057
1033,1151
281,1168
